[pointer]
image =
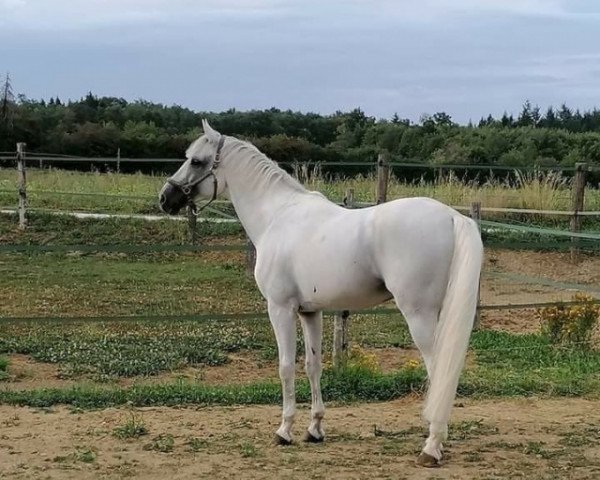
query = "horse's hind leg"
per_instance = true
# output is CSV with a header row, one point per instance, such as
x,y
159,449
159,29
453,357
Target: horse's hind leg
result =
x,y
312,326
421,324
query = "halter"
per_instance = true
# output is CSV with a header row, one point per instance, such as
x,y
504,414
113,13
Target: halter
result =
x,y
189,188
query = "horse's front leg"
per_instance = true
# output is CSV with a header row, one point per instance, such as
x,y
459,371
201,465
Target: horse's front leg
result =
x,y
312,326
283,319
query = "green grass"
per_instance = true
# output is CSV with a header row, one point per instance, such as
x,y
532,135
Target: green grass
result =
x,y
126,349
503,365
109,349
536,191
346,387
117,284
105,185
45,229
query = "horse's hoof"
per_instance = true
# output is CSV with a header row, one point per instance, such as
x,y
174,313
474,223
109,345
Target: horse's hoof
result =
x,y
281,441
310,438
428,461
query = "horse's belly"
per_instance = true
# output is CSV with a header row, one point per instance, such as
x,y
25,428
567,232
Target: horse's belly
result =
x,y
345,294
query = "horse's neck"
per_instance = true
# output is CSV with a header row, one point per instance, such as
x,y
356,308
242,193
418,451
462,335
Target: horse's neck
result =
x,y
257,189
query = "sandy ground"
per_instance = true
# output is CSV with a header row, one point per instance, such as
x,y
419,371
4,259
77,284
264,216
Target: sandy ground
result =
x,y
497,439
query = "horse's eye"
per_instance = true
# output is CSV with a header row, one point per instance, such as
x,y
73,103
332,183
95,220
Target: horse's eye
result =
x,y
196,162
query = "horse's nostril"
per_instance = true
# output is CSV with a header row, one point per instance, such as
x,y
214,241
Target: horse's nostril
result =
x,y
162,199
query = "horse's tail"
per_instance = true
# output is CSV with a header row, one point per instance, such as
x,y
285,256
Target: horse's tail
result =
x,y
455,321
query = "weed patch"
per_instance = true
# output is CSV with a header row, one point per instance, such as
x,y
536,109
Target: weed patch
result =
x,y
162,443
133,428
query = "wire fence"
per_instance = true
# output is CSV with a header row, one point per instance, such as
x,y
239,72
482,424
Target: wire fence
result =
x,y
572,239
56,157
205,317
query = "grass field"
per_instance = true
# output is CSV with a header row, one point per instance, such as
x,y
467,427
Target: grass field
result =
x,y
210,363
500,363
94,358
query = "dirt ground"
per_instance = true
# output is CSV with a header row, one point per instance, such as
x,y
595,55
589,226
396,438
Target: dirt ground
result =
x,y
496,439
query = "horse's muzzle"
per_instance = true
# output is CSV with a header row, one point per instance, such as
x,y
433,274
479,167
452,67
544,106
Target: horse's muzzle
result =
x,y
171,199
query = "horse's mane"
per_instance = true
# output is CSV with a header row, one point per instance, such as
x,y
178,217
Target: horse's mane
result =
x,y
261,170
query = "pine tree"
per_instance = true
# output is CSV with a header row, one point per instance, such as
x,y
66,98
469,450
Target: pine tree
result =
x,y
550,118
507,121
7,102
536,116
526,117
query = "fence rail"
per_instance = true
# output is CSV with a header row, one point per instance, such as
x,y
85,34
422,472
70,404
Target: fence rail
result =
x,y
203,317
55,157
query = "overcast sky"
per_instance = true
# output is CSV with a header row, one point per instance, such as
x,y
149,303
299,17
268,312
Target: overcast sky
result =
x,y
466,57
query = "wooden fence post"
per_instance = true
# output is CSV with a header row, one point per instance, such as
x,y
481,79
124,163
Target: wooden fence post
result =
x,y
119,160
577,197
349,198
250,258
340,337
341,320
22,184
192,221
475,212
383,175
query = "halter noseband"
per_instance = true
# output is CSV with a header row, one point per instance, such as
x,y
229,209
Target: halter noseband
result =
x,y
188,188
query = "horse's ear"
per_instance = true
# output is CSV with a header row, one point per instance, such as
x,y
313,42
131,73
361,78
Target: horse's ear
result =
x,y
212,135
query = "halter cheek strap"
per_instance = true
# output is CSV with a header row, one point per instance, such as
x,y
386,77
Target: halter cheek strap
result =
x,y
188,188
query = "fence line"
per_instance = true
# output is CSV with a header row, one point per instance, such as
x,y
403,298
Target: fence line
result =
x,y
56,157
84,194
532,211
524,211
231,219
543,281
265,315
124,216
125,248
383,166
541,231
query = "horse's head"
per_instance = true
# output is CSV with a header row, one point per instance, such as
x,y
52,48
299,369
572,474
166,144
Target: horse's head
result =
x,y
198,177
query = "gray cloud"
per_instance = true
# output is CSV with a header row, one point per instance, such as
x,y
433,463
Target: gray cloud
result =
x,y
467,57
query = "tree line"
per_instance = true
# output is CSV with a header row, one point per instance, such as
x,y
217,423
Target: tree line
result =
x,y
100,126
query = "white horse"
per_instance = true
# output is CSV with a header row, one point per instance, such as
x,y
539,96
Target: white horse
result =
x,y
313,255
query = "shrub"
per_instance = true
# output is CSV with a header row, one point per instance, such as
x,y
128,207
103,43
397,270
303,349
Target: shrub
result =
x,y
571,324
357,360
